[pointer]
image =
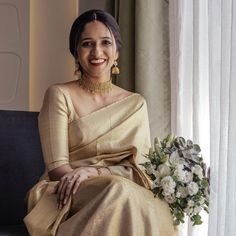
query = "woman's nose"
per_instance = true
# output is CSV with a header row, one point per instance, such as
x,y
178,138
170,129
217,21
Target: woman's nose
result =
x,y
96,51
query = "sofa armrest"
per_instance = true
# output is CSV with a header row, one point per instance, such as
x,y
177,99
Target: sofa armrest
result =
x,y
21,163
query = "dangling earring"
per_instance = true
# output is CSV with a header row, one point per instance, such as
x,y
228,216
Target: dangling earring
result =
x,y
77,72
115,69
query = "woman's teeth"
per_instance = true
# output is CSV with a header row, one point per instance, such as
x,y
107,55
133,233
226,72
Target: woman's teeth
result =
x,y
97,61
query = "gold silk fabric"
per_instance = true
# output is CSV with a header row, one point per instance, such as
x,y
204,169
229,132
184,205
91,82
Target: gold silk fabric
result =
x,y
115,136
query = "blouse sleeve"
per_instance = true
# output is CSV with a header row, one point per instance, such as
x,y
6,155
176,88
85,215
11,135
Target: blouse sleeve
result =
x,y
53,128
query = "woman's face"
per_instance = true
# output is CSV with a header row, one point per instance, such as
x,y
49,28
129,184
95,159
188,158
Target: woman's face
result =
x,y
96,50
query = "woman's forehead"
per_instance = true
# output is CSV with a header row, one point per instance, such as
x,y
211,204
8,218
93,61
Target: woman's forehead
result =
x,y
95,29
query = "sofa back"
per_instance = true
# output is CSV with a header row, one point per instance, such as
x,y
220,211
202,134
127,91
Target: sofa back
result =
x,y
21,162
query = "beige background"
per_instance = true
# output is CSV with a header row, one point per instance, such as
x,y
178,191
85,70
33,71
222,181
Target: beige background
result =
x,y
50,60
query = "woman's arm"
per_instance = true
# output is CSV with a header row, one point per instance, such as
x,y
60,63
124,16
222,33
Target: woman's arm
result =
x,y
53,123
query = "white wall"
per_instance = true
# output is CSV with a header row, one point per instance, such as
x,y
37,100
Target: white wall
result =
x,y
50,60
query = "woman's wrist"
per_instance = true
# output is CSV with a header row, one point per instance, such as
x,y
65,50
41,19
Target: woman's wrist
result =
x,y
103,171
95,171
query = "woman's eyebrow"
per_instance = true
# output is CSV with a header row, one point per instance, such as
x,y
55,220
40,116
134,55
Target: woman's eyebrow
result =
x,y
88,38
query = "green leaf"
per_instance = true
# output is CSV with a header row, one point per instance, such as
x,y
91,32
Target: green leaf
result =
x,y
196,219
196,148
176,222
204,183
181,141
164,158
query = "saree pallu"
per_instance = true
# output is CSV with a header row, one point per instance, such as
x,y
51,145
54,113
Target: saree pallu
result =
x,y
116,137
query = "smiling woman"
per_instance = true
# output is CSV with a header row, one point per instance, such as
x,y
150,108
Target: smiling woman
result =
x,y
93,137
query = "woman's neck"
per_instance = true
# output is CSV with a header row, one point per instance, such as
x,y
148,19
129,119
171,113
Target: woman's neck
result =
x,y
95,85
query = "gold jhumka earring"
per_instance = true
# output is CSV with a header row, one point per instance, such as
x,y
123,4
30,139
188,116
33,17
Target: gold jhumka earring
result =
x,y
115,69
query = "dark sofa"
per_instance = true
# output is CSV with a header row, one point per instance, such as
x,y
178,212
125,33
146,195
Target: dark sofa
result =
x,y
21,165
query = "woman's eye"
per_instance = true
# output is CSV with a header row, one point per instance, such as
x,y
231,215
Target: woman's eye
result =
x,y
87,44
106,42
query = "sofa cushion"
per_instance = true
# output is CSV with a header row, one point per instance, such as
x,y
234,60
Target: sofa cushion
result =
x,y
13,230
21,162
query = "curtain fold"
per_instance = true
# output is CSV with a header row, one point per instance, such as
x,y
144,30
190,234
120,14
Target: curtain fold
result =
x,y
152,78
222,72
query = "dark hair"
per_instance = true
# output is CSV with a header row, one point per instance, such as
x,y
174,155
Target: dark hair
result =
x,y
88,16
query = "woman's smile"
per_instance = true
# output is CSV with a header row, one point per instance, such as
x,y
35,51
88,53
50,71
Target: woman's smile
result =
x,y
97,62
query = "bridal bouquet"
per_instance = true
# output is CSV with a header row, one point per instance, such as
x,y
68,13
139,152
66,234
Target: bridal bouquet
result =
x,y
179,176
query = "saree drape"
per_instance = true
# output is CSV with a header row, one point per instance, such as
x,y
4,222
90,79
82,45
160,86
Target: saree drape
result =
x,y
115,136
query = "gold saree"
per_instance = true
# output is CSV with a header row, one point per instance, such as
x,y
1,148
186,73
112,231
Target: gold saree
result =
x,y
116,137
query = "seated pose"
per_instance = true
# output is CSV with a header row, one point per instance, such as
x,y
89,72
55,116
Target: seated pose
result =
x,y
93,136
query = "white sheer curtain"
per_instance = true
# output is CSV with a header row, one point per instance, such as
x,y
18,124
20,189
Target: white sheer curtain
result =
x,y
189,80
203,101
222,68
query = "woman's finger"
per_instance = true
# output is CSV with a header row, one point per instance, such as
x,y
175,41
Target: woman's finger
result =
x,y
76,185
60,192
63,191
68,190
60,184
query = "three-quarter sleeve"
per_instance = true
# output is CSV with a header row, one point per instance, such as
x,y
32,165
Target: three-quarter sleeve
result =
x,y
53,128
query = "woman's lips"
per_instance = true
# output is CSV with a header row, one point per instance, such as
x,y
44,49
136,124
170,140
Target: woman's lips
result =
x,y
97,62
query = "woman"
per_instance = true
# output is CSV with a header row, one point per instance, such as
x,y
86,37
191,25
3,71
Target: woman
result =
x,y
94,135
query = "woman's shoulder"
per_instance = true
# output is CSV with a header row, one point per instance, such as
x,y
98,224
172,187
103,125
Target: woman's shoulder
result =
x,y
57,94
123,93
59,89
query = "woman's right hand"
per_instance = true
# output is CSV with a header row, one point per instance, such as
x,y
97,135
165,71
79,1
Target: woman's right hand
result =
x,y
71,181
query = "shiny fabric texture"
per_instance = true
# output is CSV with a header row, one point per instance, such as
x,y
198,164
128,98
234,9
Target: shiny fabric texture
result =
x,y
115,136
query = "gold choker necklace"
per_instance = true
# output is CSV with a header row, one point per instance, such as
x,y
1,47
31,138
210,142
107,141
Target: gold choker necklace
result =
x,y
95,87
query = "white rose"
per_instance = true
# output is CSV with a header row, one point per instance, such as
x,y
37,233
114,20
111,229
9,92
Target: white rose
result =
x,y
182,192
178,195
197,169
192,188
170,198
197,209
168,185
188,177
188,210
183,175
163,170
179,171
190,203
179,167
